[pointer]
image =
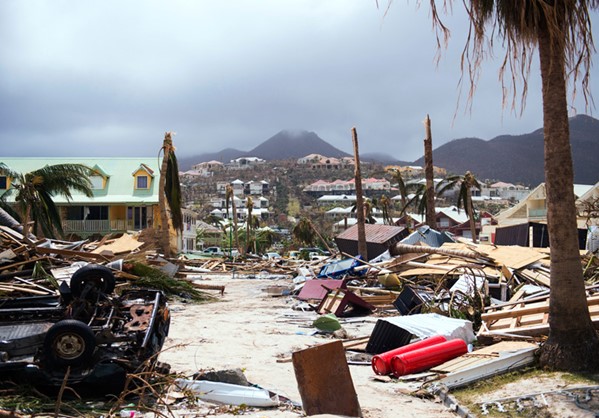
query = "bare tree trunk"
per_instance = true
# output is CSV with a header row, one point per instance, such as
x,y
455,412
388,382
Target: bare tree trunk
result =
x,y
362,249
26,220
235,230
164,233
431,219
471,213
573,342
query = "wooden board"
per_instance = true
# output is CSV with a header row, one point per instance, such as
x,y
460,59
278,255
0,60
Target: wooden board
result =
x,y
324,381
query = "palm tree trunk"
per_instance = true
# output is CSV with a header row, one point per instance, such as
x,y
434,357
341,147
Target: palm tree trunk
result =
x,y
573,342
431,219
164,234
362,248
235,231
471,213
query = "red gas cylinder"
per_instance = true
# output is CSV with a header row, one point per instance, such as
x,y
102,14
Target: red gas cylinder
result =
x,y
381,363
424,358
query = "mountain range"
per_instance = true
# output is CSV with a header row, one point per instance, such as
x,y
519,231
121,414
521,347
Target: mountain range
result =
x,y
510,158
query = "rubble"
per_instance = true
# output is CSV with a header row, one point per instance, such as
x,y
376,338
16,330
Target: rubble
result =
x,y
498,296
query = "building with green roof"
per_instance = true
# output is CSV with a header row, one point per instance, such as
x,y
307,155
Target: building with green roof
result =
x,y
125,193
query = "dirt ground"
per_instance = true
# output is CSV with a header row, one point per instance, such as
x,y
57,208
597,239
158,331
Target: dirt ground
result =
x,y
249,329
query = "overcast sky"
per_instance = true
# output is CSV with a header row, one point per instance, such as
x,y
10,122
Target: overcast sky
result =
x,y
108,78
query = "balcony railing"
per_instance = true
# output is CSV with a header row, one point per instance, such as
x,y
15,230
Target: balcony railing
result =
x,y
97,226
537,213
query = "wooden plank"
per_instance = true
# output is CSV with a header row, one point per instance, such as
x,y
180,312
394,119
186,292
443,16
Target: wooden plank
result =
x,y
324,381
71,253
528,310
536,276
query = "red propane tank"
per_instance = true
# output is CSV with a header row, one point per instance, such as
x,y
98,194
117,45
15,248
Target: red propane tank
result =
x,y
381,363
424,358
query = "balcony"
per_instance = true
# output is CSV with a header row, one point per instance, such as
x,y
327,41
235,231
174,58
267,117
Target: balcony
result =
x,y
537,213
97,226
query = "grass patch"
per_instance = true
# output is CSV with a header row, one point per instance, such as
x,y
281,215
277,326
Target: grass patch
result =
x,y
527,381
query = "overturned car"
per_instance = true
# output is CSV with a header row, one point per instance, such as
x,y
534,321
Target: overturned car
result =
x,y
86,334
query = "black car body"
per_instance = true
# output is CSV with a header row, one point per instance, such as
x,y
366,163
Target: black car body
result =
x,y
87,333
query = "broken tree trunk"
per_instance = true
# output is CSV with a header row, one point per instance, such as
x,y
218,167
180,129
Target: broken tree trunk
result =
x,y
164,234
362,249
431,220
398,249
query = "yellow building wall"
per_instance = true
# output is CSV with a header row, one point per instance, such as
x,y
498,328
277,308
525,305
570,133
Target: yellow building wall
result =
x,y
117,212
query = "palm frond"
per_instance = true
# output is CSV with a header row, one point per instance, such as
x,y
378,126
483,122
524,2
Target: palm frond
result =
x,y
172,190
62,179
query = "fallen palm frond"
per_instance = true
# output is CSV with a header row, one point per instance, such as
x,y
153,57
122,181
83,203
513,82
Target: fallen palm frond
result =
x,y
153,278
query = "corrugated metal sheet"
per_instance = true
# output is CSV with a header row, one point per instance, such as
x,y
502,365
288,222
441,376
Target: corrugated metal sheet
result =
x,y
428,236
379,238
377,234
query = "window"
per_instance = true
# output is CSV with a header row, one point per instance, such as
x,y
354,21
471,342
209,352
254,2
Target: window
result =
x,y
97,182
3,183
142,182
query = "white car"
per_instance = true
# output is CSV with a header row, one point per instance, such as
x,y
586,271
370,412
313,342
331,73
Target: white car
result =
x,y
213,251
271,256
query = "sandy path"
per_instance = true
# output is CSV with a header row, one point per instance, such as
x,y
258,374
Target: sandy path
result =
x,y
249,329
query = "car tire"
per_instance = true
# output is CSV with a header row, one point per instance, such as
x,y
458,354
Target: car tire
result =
x,y
100,277
69,343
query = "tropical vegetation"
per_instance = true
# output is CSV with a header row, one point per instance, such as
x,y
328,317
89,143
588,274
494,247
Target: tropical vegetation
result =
x,y
34,193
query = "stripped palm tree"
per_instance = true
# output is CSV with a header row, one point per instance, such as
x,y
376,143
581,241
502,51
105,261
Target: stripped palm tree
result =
x,y
169,195
230,200
466,183
561,30
303,232
249,205
397,177
34,191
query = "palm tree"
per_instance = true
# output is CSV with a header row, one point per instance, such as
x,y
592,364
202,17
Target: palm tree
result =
x,y
169,194
34,192
418,199
465,183
303,232
249,205
230,199
385,204
561,29
397,177
265,237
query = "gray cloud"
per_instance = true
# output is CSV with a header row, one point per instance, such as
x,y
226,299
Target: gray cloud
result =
x,y
108,78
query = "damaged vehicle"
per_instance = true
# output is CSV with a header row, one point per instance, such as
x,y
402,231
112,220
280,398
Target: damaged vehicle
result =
x,y
86,334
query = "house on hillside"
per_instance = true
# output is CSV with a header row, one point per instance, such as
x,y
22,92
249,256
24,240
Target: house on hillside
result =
x,y
256,187
507,191
243,163
320,162
206,169
125,194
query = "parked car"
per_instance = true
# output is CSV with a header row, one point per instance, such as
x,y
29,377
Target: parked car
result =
x,y
213,251
87,329
271,256
313,253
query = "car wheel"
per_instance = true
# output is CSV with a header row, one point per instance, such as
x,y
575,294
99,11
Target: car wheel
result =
x,y
100,278
69,343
